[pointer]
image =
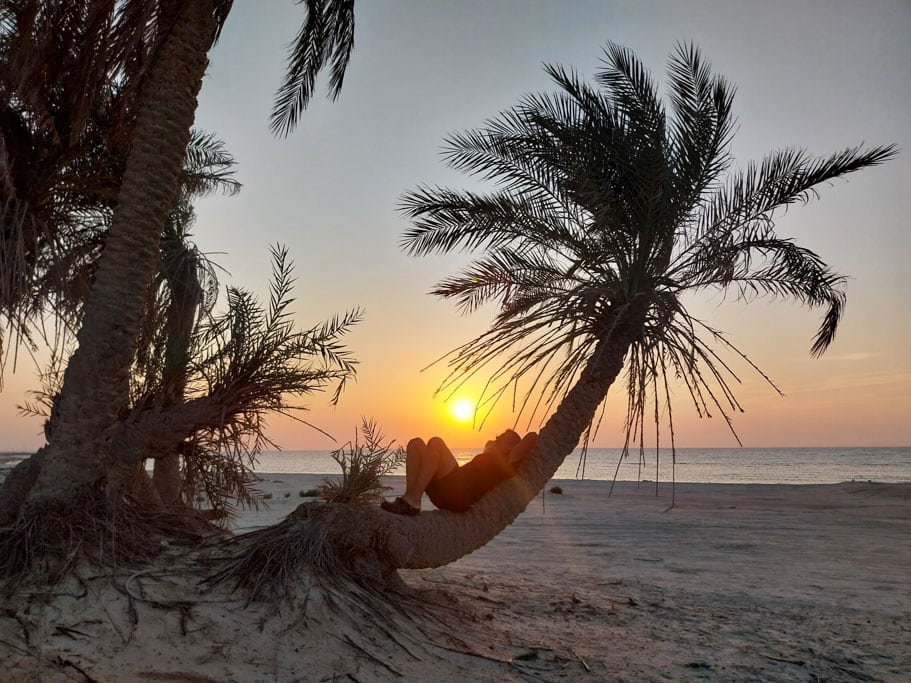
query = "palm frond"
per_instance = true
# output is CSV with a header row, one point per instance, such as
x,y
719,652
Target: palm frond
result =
x,y
445,221
258,356
634,92
746,205
363,464
326,36
785,270
208,167
701,130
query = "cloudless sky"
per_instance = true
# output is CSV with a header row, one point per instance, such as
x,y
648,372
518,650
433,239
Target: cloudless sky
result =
x,y
819,74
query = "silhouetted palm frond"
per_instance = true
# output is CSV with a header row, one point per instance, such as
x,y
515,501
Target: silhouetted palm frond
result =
x,y
208,167
325,39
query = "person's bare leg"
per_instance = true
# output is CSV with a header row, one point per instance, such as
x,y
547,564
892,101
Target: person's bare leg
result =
x,y
415,453
446,461
423,464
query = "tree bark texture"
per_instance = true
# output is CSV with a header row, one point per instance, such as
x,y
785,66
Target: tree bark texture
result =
x,y
166,478
96,384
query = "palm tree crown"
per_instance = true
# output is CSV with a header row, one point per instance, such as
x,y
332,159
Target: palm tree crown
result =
x,y
608,208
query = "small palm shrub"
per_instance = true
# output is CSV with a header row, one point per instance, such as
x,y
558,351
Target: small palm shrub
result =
x,y
363,466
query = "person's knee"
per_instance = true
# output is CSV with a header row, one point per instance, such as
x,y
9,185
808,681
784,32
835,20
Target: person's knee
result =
x,y
437,450
436,444
416,444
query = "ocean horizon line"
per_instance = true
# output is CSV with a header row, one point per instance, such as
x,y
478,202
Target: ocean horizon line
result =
x,y
742,464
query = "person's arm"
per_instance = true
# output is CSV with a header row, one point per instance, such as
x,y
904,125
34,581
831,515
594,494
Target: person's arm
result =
x,y
523,448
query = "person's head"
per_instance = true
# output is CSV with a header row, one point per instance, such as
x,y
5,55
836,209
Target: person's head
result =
x,y
504,443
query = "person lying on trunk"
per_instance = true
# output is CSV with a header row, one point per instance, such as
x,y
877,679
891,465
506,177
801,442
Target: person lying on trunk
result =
x,y
432,468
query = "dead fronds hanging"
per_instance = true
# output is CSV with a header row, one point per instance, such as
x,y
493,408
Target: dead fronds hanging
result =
x,y
330,541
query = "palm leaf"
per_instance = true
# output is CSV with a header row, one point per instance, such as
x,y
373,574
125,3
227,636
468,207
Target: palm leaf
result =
x,y
326,36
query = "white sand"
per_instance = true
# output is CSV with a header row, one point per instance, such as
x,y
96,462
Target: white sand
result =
x,y
736,582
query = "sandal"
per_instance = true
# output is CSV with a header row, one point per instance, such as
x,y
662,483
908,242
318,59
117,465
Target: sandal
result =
x,y
400,507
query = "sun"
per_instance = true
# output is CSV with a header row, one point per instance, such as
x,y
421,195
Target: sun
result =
x,y
462,410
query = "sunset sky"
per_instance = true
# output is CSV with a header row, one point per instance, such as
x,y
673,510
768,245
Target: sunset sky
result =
x,y
820,74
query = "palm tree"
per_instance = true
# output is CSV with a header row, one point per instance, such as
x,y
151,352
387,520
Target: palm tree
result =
x,y
608,210
97,375
64,131
205,389
179,34
185,291
606,214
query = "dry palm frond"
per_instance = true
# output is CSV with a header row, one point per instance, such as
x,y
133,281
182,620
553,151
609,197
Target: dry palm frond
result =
x,y
268,560
332,541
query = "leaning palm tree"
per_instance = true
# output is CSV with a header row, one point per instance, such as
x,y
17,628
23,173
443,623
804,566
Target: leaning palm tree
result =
x,y
176,38
184,291
608,211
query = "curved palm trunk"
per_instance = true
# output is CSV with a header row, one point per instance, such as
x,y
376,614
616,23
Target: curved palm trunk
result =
x,y
438,538
373,544
96,383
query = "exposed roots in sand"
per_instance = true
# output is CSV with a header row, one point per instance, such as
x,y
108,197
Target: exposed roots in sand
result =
x,y
163,622
325,540
311,598
49,539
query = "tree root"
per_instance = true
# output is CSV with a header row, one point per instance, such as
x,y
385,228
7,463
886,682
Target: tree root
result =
x,y
50,537
321,628
14,489
325,540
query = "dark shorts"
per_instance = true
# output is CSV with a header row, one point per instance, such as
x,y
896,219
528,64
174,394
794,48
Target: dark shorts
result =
x,y
466,485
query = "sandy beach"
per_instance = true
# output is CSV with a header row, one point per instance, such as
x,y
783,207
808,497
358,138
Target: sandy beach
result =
x,y
734,583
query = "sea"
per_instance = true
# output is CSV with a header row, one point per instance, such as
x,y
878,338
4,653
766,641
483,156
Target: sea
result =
x,y
702,465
